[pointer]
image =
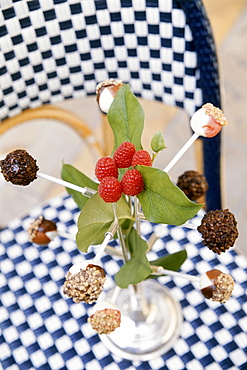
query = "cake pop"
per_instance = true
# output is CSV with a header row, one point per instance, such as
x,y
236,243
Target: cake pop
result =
x,y
84,282
219,230
216,285
208,121
106,317
106,92
42,231
19,167
193,184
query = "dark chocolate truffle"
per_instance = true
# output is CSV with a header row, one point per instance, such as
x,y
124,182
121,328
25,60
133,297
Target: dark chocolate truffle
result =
x,y
219,230
19,167
193,184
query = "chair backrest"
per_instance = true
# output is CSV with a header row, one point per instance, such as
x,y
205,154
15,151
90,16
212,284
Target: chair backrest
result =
x,y
53,50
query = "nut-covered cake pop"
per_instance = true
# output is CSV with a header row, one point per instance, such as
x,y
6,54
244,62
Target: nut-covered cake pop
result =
x,y
84,282
216,285
106,317
193,184
219,230
106,92
19,167
208,120
42,231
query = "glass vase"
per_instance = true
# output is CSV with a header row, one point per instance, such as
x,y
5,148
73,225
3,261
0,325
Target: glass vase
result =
x,y
150,321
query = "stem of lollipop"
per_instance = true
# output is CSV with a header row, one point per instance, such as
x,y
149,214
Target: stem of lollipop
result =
x,y
181,152
84,190
160,270
108,236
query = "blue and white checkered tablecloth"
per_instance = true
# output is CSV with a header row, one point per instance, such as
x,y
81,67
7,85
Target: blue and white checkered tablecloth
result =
x,y
42,329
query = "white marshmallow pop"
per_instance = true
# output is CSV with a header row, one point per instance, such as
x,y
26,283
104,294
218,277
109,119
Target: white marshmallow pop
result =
x,y
208,121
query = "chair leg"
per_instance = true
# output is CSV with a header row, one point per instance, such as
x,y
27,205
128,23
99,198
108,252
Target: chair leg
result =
x,y
199,165
212,171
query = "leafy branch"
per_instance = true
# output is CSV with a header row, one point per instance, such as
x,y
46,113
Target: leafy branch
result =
x,y
161,200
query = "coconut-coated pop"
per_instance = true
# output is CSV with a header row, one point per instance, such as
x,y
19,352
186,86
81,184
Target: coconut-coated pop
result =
x,y
42,231
106,317
208,120
84,282
19,167
216,285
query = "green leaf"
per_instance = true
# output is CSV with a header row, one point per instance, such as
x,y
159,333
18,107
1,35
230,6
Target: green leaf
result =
x,y
126,118
138,267
74,176
96,218
171,262
158,142
162,201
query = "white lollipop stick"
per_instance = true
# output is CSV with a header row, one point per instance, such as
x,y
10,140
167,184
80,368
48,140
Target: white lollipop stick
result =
x,y
189,225
86,191
108,249
181,152
156,235
102,248
65,235
161,270
115,294
108,236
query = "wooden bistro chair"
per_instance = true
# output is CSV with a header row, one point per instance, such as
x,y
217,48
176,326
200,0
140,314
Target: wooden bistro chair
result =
x,y
60,49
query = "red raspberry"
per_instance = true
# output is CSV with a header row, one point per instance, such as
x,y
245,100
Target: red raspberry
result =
x,y
132,182
141,157
110,189
105,167
123,154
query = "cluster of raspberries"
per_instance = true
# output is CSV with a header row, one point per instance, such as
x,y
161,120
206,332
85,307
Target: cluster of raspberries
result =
x,y
106,170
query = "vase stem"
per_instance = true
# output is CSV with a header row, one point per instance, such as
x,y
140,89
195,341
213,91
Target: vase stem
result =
x,y
138,307
137,220
120,234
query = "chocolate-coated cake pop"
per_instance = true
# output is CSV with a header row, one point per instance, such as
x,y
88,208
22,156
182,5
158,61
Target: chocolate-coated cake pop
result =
x,y
216,285
19,167
42,231
219,230
84,282
193,184
106,92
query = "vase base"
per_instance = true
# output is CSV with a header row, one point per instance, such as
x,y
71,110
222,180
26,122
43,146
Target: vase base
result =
x,y
145,335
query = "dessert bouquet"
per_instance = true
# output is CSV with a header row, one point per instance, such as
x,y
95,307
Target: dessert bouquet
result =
x,y
128,189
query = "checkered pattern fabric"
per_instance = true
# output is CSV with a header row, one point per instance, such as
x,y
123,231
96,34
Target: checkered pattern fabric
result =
x,y
52,50
43,329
